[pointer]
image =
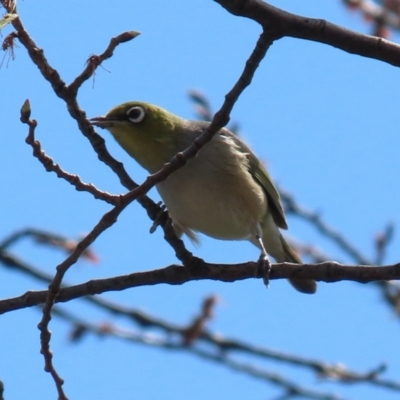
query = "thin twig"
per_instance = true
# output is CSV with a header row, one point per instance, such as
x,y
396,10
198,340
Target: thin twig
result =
x,y
167,343
72,179
292,207
94,61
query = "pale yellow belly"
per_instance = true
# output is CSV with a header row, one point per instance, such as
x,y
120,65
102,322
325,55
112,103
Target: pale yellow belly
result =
x,y
214,202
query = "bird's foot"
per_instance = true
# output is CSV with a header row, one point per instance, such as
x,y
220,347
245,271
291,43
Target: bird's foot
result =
x,y
264,268
263,264
159,216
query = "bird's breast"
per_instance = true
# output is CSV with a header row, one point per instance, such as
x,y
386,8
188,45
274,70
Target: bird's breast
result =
x,y
215,194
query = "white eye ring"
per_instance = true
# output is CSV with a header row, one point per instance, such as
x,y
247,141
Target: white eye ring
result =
x,y
136,114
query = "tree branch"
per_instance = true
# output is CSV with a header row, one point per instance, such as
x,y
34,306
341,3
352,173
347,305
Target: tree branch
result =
x,y
283,23
178,275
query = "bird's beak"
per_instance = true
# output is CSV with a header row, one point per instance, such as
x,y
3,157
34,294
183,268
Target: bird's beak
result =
x,y
102,122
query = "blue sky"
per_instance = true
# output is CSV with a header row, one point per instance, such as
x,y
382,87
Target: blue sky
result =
x,y
325,122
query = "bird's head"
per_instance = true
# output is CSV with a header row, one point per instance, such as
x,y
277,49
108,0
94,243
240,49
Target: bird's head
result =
x,y
150,134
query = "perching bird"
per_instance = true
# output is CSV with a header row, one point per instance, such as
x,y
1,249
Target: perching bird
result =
x,y
223,192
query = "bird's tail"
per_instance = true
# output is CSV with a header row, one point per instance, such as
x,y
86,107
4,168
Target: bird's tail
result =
x,y
307,286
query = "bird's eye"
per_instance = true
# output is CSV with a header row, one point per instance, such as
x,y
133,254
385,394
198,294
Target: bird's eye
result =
x,y
135,114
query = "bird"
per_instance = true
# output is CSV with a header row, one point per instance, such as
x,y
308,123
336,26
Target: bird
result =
x,y
224,192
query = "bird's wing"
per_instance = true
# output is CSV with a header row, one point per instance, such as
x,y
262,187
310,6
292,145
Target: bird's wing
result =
x,y
262,177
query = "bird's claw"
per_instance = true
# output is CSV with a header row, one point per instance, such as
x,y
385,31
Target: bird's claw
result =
x,y
264,267
159,215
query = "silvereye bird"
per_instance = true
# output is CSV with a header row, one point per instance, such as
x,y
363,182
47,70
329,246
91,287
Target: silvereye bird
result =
x,y
224,192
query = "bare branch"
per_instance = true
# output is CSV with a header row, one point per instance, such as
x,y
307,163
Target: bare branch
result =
x,y
97,142
165,342
223,345
292,207
94,61
283,23
382,241
49,239
384,17
51,166
105,222
178,275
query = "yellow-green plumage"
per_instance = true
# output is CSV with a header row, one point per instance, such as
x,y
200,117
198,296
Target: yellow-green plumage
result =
x,y
224,192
